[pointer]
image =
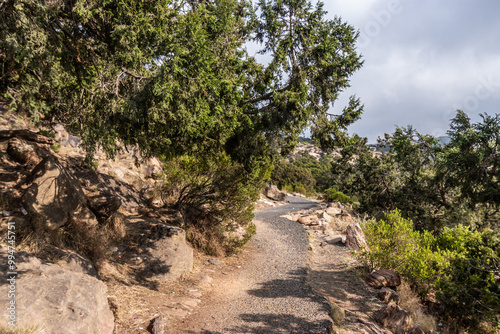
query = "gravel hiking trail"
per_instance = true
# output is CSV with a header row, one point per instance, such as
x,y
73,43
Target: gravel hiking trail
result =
x,y
268,294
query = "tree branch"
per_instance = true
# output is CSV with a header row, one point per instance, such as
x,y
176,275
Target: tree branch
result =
x,y
137,76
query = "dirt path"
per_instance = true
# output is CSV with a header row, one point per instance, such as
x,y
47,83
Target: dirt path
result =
x,y
268,294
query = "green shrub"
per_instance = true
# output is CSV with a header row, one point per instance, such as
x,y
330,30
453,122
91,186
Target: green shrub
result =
x,y
47,133
332,195
56,147
460,265
213,194
470,283
300,189
287,188
285,173
394,244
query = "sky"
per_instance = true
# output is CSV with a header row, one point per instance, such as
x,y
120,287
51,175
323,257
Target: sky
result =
x,y
423,60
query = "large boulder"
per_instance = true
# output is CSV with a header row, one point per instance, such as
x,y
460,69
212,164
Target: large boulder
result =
x,y
355,238
272,192
167,255
56,197
104,204
55,298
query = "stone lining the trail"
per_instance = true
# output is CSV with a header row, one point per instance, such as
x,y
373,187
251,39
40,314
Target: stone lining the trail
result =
x,y
55,298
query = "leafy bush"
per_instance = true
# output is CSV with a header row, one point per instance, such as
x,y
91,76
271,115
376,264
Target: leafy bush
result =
x,y
47,133
332,195
394,244
460,265
300,189
214,194
285,173
470,283
287,188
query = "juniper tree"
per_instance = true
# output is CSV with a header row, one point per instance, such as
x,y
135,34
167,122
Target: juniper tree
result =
x,y
174,76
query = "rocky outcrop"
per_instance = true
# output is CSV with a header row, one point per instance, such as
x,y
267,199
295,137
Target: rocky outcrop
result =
x,y
55,298
272,192
56,197
355,237
383,278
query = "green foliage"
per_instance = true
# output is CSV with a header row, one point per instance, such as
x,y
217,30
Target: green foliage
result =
x,y
432,184
459,264
394,244
287,174
174,77
56,147
47,133
300,189
470,282
321,170
211,184
288,188
214,195
333,195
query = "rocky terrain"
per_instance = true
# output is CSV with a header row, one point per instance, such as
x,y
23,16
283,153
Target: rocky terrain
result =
x,y
93,251
81,242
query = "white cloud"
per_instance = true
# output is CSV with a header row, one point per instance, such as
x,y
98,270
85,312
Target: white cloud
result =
x,y
423,62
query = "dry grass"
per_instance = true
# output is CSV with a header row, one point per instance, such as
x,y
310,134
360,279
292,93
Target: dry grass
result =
x,y
91,242
21,330
337,314
206,238
411,301
340,224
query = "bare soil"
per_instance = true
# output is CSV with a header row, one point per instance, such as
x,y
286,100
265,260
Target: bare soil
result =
x,y
335,277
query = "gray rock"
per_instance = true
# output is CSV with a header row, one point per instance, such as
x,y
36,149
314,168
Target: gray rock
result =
x,y
117,172
104,204
169,257
71,141
334,211
336,239
214,262
336,205
56,299
61,133
326,217
56,197
160,325
272,192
